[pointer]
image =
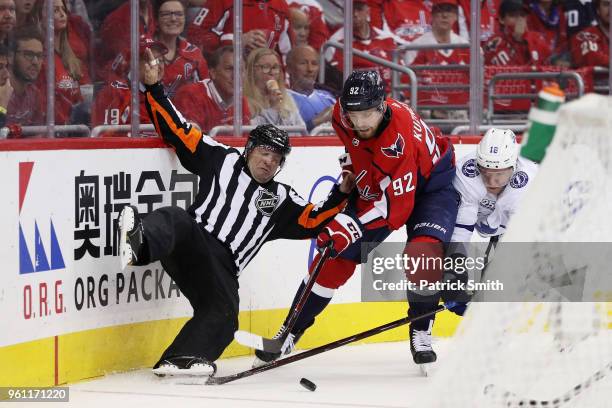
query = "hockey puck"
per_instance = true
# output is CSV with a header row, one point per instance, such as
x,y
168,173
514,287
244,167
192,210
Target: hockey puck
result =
x,y
309,385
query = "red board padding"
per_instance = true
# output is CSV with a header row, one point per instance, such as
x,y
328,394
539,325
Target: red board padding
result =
x,y
152,142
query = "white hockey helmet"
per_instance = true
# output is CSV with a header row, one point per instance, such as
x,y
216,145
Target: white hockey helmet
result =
x,y
497,149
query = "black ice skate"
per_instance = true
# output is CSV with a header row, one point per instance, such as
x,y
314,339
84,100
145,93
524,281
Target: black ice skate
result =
x,y
264,357
185,366
420,346
131,236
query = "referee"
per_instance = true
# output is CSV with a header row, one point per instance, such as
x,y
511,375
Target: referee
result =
x,y
238,208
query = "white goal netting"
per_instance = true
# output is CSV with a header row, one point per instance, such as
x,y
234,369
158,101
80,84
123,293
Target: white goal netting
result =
x,y
552,346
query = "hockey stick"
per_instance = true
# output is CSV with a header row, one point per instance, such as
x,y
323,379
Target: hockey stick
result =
x,y
275,345
323,348
511,400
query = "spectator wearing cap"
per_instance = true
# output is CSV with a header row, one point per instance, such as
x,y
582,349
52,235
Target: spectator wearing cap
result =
x,y
112,105
514,44
184,62
365,38
8,20
318,32
26,106
547,18
264,87
210,102
591,46
315,105
443,18
489,19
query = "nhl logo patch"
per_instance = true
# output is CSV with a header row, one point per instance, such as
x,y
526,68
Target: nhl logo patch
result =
x,y
469,169
266,202
519,179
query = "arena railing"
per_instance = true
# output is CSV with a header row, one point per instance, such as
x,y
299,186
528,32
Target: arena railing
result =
x,y
323,129
83,130
98,130
380,61
463,129
491,95
229,130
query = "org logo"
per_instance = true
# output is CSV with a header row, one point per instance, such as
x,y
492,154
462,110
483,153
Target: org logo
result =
x,y
266,202
41,262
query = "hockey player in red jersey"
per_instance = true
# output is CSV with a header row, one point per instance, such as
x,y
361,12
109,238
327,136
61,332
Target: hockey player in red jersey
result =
x,y
591,46
514,44
405,178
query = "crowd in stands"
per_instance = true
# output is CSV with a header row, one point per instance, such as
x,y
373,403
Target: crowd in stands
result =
x,y
281,45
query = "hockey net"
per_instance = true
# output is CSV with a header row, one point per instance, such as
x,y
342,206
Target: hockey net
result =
x,y
547,352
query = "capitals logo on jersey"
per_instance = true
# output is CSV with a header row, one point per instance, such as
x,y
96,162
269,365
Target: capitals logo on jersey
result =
x,y
266,202
396,149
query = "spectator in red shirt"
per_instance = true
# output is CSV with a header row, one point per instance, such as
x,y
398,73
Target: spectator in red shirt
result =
x,y
114,36
201,28
318,31
489,19
514,44
365,38
265,25
184,61
408,19
27,105
591,46
548,19
8,20
299,28
112,104
210,102
443,18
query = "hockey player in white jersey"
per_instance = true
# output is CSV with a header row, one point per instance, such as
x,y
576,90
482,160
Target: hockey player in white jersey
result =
x,y
491,182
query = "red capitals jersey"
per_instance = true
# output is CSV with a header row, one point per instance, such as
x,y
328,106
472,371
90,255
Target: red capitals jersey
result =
x,y
489,17
188,66
201,31
390,165
441,57
112,107
378,46
553,30
590,47
376,12
269,16
28,108
503,49
319,33
67,91
408,19
114,35
201,103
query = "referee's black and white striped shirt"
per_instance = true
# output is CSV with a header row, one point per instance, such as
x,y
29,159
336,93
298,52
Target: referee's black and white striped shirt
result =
x,y
230,204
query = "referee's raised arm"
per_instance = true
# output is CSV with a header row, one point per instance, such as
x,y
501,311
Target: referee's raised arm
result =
x,y
193,149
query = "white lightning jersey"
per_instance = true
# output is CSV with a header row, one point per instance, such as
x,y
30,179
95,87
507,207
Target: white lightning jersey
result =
x,y
487,213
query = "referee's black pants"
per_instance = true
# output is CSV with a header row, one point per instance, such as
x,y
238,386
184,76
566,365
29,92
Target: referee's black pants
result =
x,y
205,273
